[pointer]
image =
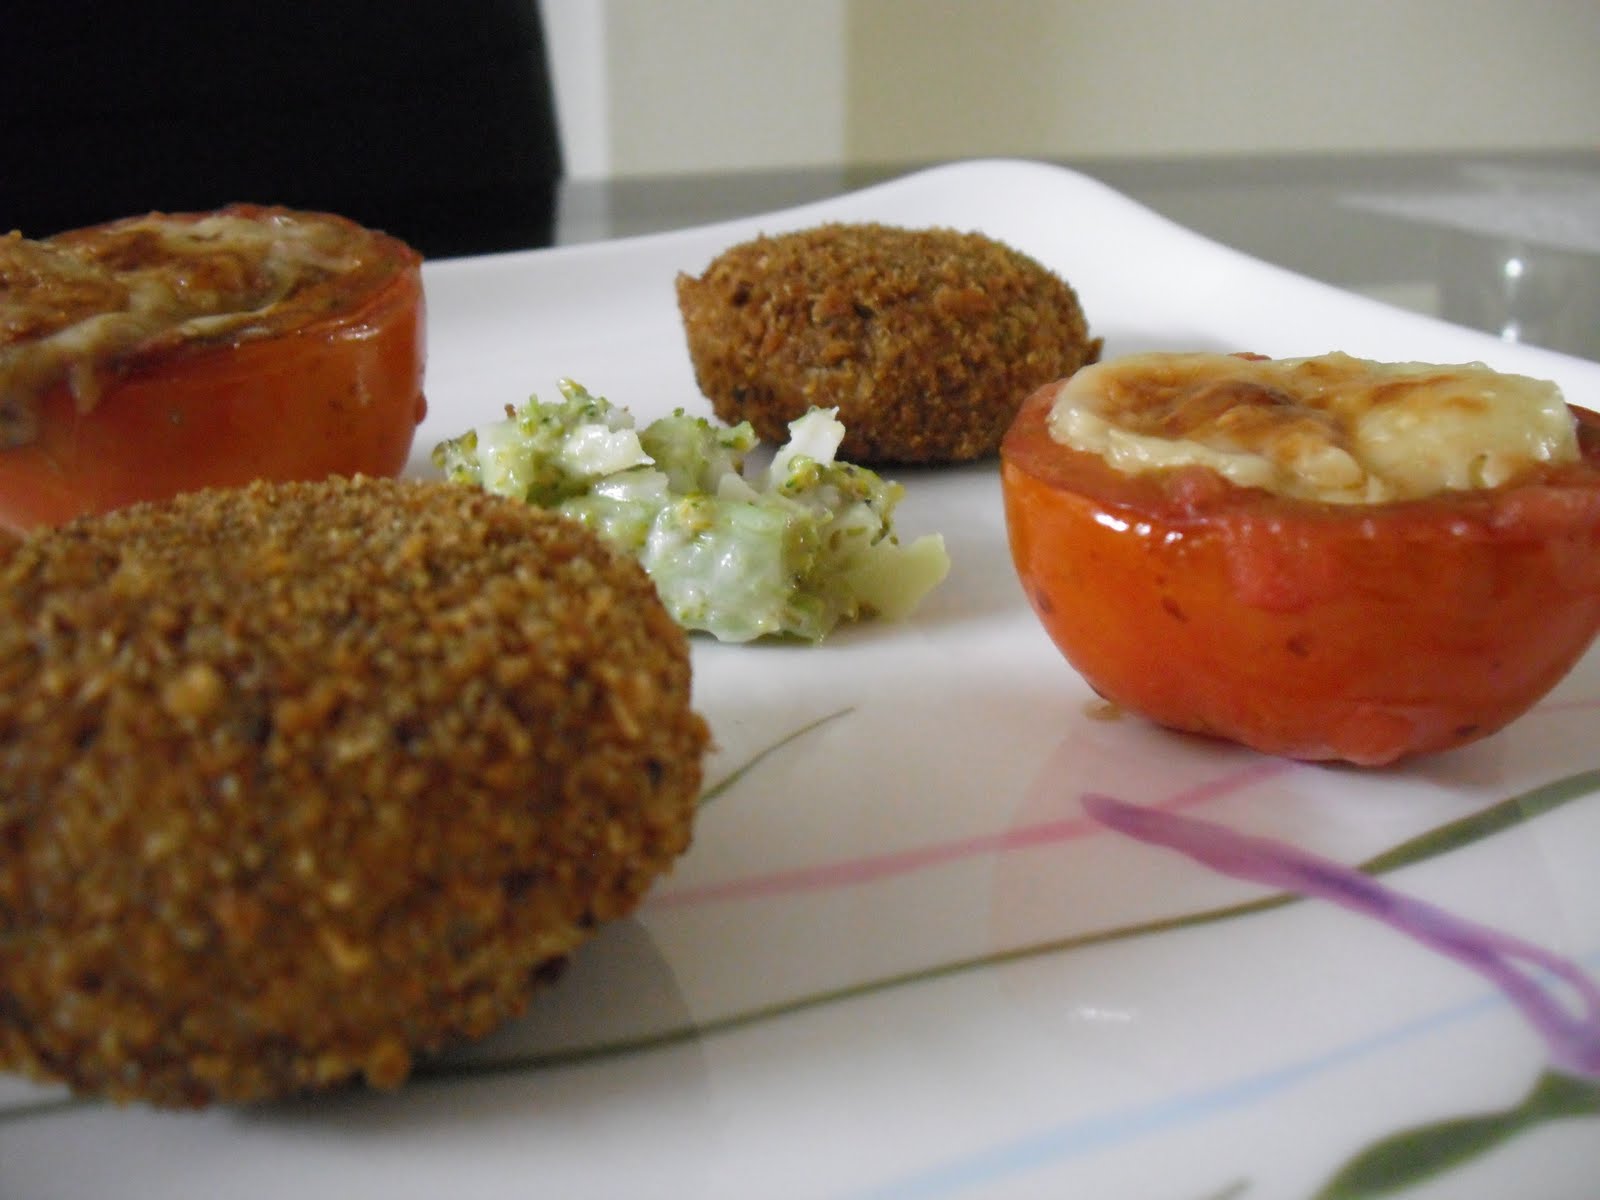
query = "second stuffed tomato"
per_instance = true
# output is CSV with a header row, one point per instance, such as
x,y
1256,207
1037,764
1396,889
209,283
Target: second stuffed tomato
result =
x,y
1338,619
170,352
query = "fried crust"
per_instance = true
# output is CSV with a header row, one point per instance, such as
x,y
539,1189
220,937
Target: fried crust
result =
x,y
926,340
300,781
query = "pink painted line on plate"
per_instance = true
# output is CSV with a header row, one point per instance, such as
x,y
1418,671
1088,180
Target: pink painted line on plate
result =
x,y
854,872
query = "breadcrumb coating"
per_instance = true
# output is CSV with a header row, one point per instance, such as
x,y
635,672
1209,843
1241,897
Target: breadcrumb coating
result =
x,y
300,781
926,340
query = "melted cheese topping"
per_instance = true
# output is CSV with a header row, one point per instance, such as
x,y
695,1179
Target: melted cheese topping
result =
x,y
81,304
1336,429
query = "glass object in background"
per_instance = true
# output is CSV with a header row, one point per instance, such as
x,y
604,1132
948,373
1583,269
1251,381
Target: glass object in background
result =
x,y
1523,292
1518,247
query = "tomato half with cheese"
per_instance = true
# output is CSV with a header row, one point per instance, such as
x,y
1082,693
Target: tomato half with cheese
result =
x,y
170,352
1324,559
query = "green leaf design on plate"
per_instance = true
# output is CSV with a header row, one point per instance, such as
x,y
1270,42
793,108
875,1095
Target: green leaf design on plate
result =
x,y
1486,822
1417,1155
734,776
1442,839
42,1108
1231,1191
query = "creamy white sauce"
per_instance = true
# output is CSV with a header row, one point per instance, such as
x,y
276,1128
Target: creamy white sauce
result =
x,y
1332,428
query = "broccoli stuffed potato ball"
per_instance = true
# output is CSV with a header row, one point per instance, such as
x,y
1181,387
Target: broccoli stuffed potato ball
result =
x,y
300,781
926,340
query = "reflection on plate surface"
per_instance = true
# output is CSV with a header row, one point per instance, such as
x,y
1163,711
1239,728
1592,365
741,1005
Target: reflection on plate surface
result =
x,y
900,960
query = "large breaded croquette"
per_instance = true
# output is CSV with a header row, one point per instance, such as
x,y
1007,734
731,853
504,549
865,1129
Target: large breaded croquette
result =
x,y
300,781
926,340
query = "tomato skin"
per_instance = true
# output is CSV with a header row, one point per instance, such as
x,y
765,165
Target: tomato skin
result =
x,y
1313,631
333,394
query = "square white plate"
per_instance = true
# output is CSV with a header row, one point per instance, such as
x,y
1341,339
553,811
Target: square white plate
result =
x,y
897,961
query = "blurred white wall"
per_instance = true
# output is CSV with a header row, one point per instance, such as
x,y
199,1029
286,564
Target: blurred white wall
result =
x,y
648,87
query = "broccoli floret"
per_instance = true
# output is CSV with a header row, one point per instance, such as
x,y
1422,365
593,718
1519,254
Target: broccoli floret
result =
x,y
791,551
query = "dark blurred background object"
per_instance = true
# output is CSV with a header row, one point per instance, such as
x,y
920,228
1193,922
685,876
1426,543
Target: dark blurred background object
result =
x,y
431,119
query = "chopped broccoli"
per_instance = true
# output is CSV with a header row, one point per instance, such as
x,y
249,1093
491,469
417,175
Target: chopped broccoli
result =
x,y
790,551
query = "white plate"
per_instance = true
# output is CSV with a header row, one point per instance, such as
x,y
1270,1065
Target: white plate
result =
x,y
861,981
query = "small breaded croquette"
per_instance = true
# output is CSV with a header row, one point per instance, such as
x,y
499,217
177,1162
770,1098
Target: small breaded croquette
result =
x,y
301,781
926,340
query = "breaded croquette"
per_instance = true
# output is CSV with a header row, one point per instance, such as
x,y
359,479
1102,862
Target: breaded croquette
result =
x,y
926,340
300,781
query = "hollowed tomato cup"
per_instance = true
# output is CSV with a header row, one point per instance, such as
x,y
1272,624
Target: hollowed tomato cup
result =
x,y
334,389
1362,633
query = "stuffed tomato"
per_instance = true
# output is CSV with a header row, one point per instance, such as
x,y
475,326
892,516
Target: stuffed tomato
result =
x,y
1324,559
170,352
